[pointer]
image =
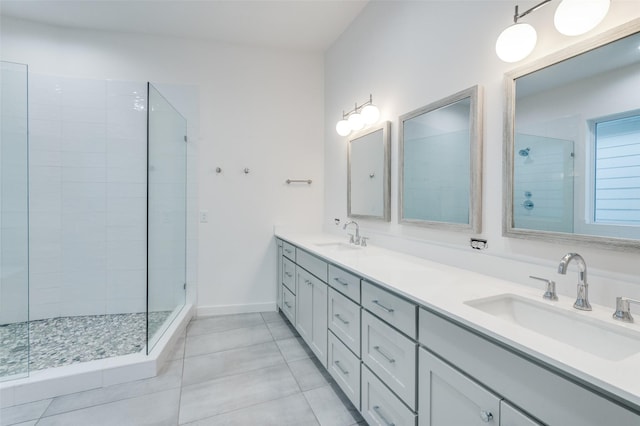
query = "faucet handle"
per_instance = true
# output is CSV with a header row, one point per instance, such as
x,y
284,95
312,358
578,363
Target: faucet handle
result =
x,y
363,241
623,309
352,239
550,293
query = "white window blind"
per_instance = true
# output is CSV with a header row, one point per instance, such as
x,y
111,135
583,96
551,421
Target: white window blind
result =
x,y
617,171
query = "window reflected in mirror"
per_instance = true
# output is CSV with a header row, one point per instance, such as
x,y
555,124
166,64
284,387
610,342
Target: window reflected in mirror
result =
x,y
573,144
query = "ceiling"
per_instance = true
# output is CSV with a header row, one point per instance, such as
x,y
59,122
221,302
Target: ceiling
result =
x,y
308,25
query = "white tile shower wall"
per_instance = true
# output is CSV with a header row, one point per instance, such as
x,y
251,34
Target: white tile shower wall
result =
x,y
88,196
13,202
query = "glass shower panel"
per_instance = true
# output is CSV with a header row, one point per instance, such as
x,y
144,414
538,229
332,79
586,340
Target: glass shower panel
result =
x,y
14,222
166,210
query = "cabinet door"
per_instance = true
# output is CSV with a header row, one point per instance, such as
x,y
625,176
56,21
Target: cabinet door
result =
x,y
289,274
511,416
391,356
288,304
311,313
344,320
344,366
447,397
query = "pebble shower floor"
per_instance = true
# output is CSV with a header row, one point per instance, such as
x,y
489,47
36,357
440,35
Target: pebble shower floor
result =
x,y
55,342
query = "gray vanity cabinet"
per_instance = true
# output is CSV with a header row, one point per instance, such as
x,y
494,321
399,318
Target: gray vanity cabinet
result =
x,y
279,274
545,395
311,312
447,397
365,336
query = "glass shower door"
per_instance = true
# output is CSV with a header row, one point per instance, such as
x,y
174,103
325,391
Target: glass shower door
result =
x,y
14,222
166,214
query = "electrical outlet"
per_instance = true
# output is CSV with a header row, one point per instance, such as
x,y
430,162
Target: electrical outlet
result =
x,y
204,216
478,243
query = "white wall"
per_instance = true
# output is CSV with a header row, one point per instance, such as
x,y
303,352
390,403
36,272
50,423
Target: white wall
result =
x,y
258,108
409,54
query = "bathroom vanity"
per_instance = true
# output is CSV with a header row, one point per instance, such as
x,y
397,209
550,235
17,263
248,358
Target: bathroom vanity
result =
x,y
414,342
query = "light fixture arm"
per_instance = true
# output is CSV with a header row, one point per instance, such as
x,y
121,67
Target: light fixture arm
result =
x,y
517,15
359,108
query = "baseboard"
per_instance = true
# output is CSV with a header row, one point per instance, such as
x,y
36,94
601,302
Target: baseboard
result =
x,y
205,311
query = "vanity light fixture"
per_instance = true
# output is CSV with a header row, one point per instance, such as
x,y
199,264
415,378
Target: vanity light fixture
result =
x,y
572,17
358,118
517,41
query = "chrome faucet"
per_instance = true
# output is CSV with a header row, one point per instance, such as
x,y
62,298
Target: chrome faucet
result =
x,y
354,240
582,300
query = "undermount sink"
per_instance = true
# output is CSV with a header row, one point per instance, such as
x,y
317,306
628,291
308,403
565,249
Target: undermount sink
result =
x,y
607,341
340,246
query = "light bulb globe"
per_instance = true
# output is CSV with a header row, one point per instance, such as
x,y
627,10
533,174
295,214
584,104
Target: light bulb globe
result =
x,y
575,17
356,122
516,42
343,128
370,114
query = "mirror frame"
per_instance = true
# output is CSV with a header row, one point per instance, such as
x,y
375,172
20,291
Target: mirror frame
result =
x,y
475,94
625,30
386,179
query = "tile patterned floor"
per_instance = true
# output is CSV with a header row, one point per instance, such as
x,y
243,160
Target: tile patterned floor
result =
x,y
54,342
246,369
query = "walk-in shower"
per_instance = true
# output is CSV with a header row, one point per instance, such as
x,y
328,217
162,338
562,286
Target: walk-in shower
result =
x,y
93,219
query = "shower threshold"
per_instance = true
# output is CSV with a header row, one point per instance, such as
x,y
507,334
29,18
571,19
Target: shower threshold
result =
x,y
82,376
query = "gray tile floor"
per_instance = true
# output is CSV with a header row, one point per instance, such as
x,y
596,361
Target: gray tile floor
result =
x,y
247,369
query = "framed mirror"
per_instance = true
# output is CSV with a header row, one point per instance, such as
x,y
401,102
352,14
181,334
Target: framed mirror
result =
x,y
572,144
440,163
369,175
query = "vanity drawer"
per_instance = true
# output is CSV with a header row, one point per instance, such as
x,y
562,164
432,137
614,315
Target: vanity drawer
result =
x,y
345,282
289,274
312,264
380,406
396,311
345,369
344,320
391,356
289,250
289,304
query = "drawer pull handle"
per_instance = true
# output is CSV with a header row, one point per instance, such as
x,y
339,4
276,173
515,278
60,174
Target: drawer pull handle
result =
x,y
289,274
339,281
287,304
308,282
376,408
381,352
342,370
389,310
344,321
486,416
288,251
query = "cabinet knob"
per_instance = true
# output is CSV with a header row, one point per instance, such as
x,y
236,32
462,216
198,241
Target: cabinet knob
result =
x,y
486,416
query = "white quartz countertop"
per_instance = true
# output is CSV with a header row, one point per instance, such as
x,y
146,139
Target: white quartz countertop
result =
x,y
444,289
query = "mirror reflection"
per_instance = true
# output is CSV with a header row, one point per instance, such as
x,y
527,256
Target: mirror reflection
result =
x,y
574,146
368,183
440,171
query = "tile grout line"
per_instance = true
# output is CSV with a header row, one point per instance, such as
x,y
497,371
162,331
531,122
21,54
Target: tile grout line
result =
x,y
262,402
184,353
44,411
244,408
